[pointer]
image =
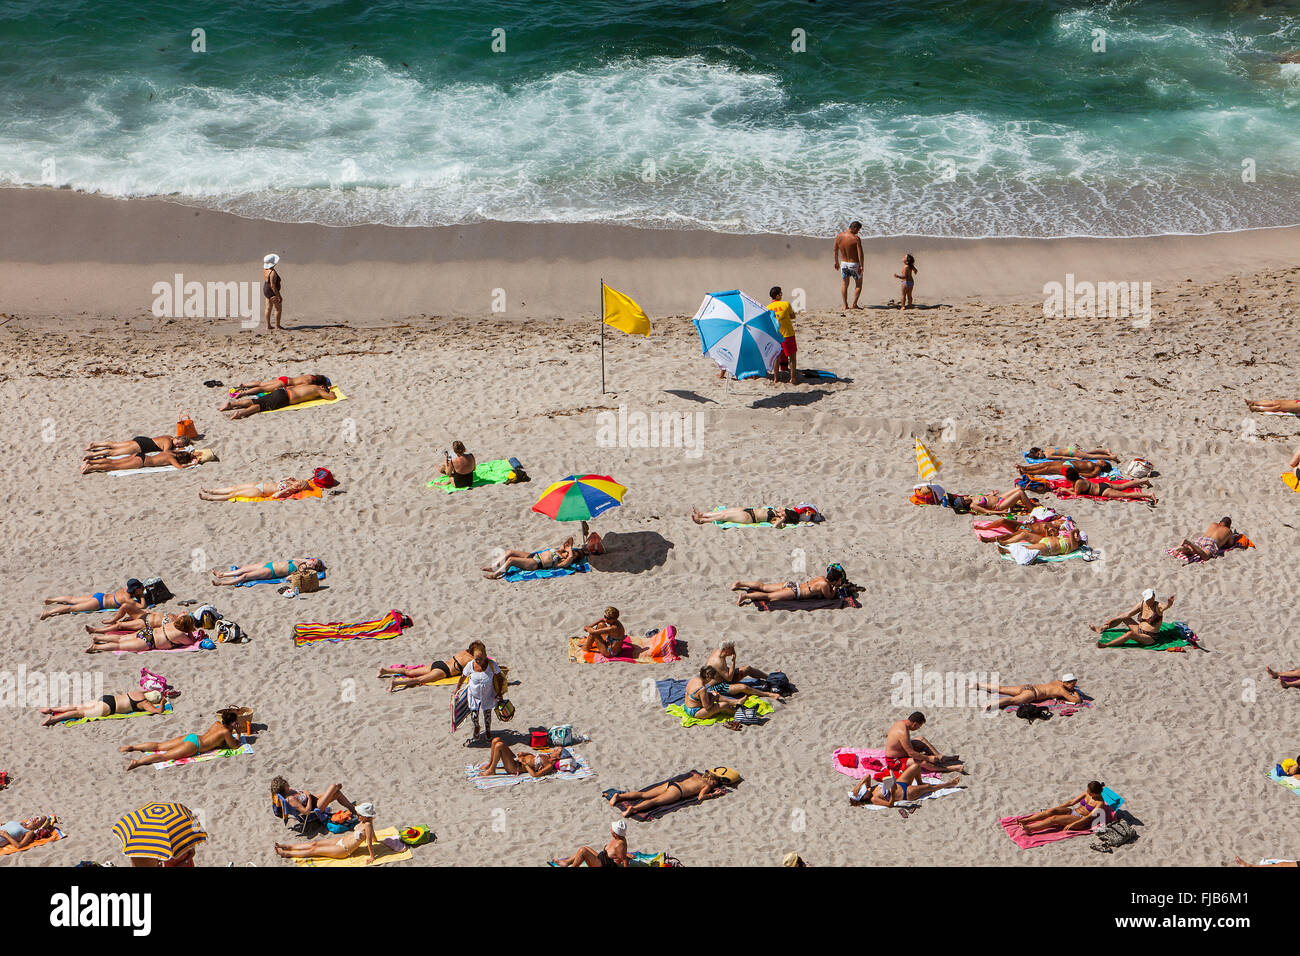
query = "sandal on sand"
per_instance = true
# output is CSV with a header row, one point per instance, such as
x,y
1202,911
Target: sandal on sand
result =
x,y
732,725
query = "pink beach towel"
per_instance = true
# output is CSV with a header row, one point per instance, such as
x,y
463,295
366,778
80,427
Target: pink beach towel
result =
x,y
1027,841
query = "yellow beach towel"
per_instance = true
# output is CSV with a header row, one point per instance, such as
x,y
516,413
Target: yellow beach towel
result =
x,y
383,854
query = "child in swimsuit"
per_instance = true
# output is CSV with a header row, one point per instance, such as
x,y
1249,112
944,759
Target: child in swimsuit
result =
x,y
908,277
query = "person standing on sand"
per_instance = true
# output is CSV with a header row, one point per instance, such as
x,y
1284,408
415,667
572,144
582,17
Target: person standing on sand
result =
x,y
908,277
271,290
849,260
784,313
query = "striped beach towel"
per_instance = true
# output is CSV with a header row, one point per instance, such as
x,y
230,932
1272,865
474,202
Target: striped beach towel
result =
x,y
503,779
390,625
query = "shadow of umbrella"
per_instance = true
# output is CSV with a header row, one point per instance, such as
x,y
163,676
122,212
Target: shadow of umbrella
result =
x,y
791,399
631,552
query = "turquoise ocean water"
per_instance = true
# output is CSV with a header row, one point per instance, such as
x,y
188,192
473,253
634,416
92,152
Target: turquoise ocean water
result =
x,y
933,117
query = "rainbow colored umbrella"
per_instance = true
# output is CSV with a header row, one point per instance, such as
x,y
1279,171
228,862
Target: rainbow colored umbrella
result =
x,y
159,831
580,497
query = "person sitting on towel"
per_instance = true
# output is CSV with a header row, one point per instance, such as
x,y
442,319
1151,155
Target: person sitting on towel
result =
x,y
694,786
304,801
1067,539
1218,538
1117,489
707,695
535,765
776,517
337,846
249,389
1085,812
1073,453
1140,623
459,465
605,635
723,662
1088,469
1066,689
891,790
613,854
282,397
827,586
266,572
902,750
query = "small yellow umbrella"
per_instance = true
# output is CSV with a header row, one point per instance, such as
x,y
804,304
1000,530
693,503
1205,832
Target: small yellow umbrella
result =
x,y
159,831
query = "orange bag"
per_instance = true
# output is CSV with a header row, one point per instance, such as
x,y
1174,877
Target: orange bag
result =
x,y
185,427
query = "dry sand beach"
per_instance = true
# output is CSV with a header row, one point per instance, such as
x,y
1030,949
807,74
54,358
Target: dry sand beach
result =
x,y
401,319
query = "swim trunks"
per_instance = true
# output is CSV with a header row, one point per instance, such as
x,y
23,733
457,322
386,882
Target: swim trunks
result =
x,y
788,347
273,400
851,270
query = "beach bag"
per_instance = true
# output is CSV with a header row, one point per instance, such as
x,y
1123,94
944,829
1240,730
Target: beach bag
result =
x,y
155,592
1138,468
151,681
228,632
416,835
747,715
1032,484
1032,712
185,426
304,582
1112,835
777,682
560,735
500,684
505,711
341,822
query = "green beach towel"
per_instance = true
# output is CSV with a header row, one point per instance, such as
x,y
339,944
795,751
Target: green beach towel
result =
x,y
676,710
496,472
1171,634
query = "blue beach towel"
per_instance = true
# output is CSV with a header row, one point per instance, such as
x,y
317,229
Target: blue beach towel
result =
x,y
514,574
320,576
671,691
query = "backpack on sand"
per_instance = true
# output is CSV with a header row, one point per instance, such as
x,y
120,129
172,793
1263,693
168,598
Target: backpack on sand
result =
x,y
1032,712
1114,834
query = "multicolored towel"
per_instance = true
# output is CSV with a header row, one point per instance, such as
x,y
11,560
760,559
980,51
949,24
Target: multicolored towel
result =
x,y
1084,552
387,844
320,576
167,709
1171,634
495,472
657,648
388,626
244,748
503,779
677,710
312,492
58,834
514,574
1291,783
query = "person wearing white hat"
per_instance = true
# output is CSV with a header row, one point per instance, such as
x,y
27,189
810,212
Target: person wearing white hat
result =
x,y
614,853
271,290
337,847
1065,689
1140,623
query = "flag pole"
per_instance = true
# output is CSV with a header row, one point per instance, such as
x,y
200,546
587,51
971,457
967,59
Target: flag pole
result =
x,y
601,316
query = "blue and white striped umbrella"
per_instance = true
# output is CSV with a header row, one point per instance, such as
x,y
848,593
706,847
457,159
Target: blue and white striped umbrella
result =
x,y
738,333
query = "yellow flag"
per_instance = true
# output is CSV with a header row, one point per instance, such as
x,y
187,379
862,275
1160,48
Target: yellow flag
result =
x,y
624,314
926,464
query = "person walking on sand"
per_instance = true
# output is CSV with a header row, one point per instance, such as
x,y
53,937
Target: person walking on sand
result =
x,y
784,313
908,277
848,260
271,290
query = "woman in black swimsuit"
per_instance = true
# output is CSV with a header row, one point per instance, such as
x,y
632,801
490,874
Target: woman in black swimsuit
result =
x,y
271,290
132,702
416,676
139,445
777,517
176,459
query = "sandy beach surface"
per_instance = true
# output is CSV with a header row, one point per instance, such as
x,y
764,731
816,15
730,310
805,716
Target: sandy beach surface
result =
x,y
402,319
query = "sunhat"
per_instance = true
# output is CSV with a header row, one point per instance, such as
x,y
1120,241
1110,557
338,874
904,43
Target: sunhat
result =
x,y
270,260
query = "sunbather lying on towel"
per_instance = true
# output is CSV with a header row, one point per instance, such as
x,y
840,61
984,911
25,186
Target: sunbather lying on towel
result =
x,y
1286,678
535,765
140,445
614,852
182,458
993,503
441,669
551,559
730,675
133,701
1118,489
155,631
23,833
887,792
605,635
902,750
1050,524
1141,623
1085,812
777,517
248,389
1067,539
1086,469
222,735
1073,453
1218,538
1064,689
278,398
1284,405
337,847
305,801
266,572
823,586
99,601
1241,862
284,488
695,786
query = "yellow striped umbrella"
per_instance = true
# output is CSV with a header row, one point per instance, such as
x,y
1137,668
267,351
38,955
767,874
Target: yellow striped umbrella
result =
x,y
159,831
926,464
